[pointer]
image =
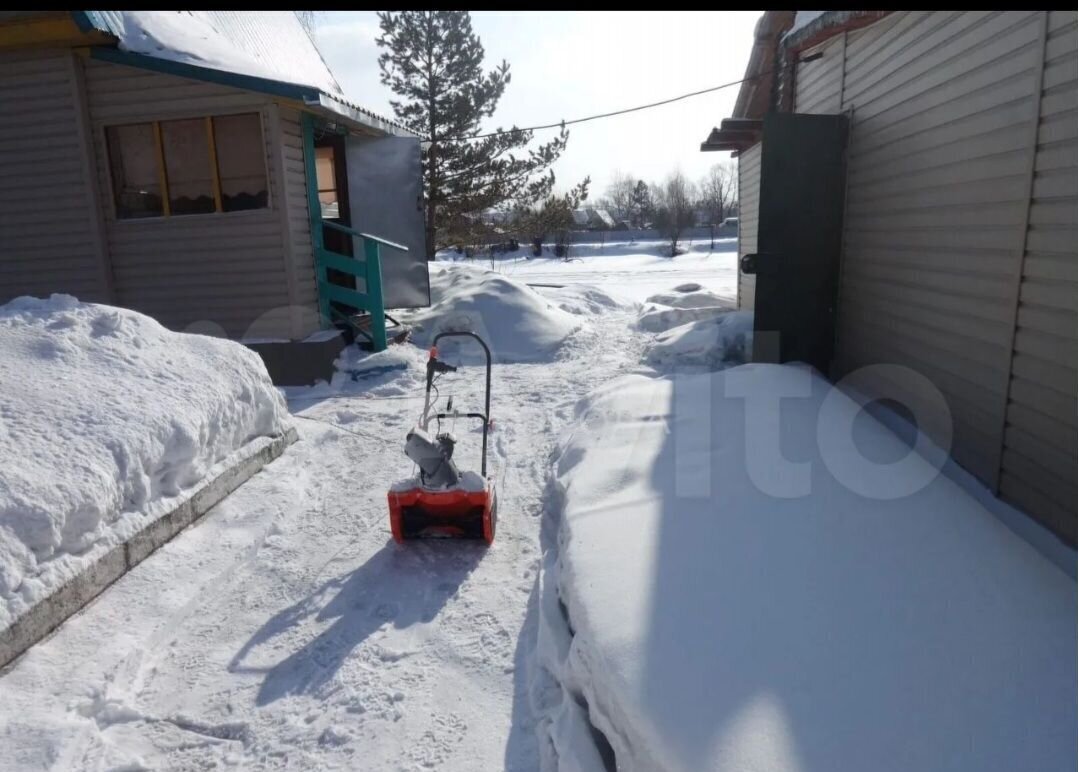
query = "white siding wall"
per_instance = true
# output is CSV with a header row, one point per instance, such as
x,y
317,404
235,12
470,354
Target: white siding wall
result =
x,y
947,121
748,170
208,272
49,237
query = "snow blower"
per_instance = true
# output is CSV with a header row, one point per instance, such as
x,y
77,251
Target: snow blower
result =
x,y
445,503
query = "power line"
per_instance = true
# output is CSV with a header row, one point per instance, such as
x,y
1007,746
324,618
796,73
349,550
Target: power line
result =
x,y
607,115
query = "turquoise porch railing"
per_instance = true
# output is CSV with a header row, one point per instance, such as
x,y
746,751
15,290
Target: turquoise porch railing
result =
x,y
368,268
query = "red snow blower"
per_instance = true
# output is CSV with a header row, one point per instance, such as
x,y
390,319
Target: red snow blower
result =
x,y
446,503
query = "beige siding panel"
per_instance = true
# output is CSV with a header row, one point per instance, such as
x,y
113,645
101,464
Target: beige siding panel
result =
x,y
47,232
295,198
217,271
1039,468
819,82
748,220
943,108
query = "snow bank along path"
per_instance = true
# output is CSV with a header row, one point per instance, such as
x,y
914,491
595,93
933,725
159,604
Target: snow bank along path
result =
x,y
288,631
106,420
707,624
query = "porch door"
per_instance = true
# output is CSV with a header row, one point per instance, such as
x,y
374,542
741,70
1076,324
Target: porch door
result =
x,y
802,190
332,176
385,188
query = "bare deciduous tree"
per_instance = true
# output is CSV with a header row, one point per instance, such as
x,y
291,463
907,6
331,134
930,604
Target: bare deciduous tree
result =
x,y
718,190
676,208
620,193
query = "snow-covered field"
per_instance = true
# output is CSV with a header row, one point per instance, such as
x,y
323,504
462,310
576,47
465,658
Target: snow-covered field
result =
x,y
287,631
106,418
633,271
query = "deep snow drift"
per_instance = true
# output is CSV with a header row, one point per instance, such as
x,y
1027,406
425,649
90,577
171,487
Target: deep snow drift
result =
x,y
733,604
711,343
517,323
690,295
104,414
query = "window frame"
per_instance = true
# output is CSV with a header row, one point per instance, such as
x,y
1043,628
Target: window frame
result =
x,y
162,171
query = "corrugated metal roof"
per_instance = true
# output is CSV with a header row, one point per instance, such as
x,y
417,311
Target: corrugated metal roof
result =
x,y
264,44
267,45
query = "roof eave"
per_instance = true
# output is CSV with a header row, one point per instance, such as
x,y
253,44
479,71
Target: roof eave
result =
x,y
827,26
313,99
326,104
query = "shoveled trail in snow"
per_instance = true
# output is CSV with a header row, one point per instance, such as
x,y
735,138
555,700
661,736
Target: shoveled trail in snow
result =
x,y
286,630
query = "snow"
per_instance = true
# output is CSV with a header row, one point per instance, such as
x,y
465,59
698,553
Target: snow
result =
x,y
713,343
516,322
105,418
728,606
470,481
803,19
645,605
286,630
655,318
229,41
690,295
634,271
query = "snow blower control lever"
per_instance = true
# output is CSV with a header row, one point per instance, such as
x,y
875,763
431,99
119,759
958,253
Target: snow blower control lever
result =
x,y
434,366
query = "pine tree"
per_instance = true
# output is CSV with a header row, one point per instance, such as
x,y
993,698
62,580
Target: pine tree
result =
x,y
433,61
641,206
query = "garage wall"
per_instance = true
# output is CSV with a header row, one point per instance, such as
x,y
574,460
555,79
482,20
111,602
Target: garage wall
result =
x,y
961,245
748,171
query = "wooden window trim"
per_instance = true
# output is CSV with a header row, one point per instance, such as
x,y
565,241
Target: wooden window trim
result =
x,y
215,173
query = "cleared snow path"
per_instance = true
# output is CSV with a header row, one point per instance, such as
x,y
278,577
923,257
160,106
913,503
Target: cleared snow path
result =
x,y
286,630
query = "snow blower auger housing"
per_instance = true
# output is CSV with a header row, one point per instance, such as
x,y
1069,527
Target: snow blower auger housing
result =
x,y
445,503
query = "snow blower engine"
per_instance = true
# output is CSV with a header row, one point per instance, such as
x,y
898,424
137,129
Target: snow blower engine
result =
x,y
446,503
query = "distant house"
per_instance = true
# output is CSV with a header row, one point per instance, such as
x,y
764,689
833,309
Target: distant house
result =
x,y
593,219
202,167
909,196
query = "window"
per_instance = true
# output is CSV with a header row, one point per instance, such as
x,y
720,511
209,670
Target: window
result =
x,y
189,166
327,182
241,163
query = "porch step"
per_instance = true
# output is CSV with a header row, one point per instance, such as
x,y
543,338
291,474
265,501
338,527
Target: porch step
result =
x,y
360,325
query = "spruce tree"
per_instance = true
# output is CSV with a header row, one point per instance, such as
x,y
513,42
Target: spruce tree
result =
x,y
433,61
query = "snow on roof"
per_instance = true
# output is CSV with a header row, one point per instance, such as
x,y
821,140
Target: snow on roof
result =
x,y
263,44
272,45
605,216
804,18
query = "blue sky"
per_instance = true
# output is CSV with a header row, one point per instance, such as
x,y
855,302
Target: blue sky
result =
x,y
570,64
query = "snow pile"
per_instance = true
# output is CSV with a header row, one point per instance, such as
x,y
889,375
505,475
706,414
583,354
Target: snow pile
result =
x,y
104,413
712,343
399,371
731,603
690,295
587,299
655,318
517,323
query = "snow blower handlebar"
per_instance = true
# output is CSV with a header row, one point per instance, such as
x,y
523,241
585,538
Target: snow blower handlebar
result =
x,y
435,365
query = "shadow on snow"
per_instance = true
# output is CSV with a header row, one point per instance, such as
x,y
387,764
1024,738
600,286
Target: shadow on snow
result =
x,y
398,586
